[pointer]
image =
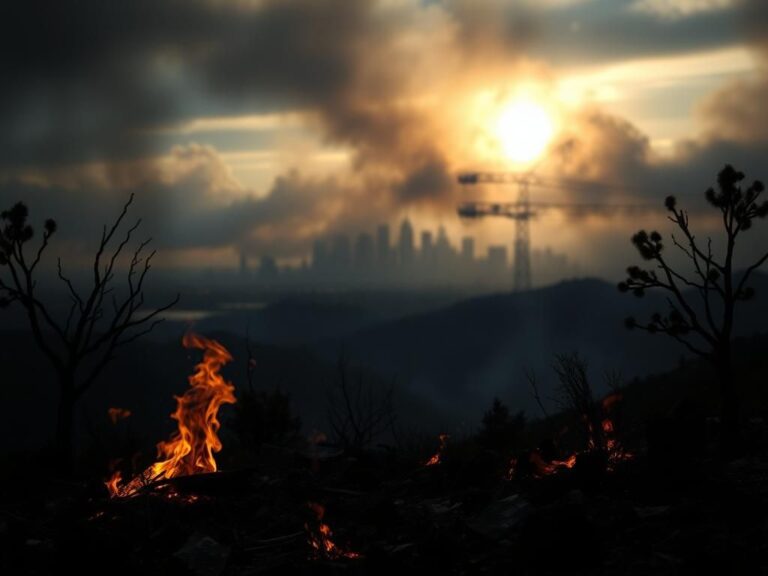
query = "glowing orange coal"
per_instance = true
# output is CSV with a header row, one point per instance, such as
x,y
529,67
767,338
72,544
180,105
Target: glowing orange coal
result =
x,y
319,534
543,468
191,448
437,457
605,441
117,414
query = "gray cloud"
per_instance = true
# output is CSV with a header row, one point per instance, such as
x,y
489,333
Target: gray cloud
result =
x,y
84,81
602,31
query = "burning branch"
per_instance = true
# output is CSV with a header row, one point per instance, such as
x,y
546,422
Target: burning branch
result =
x,y
437,457
191,448
319,537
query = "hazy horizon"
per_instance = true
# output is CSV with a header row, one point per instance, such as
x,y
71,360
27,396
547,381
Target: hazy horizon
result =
x,y
257,128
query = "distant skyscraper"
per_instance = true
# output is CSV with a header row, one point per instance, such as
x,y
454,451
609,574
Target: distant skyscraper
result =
x,y
383,249
443,251
427,248
341,253
497,260
406,243
467,249
364,252
319,255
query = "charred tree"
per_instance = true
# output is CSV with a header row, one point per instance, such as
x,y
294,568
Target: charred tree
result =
x,y
576,395
99,320
358,411
701,303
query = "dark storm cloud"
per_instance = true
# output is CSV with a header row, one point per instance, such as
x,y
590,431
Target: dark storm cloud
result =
x,y
737,112
191,202
81,80
431,179
86,80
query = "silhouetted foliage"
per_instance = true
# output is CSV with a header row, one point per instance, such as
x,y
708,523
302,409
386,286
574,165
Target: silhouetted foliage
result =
x,y
263,416
100,320
359,411
701,304
575,394
500,430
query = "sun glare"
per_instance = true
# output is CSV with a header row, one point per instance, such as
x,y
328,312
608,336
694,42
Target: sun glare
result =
x,y
524,129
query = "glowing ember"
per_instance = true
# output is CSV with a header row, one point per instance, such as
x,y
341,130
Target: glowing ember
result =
x,y
191,448
117,414
605,441
543,468
319,537
613,448
438,456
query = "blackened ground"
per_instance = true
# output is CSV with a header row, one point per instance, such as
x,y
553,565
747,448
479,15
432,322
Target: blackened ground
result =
x,y
459,517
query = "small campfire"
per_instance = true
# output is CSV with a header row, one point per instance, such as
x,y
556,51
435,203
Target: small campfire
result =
x,y
191,448
320,537
437,457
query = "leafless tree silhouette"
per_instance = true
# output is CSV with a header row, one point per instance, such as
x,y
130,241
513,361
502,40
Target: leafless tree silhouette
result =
x,y
575,394
357,412
702,303
99,321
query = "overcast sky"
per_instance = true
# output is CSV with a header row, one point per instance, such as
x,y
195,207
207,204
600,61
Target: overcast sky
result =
x,y
259,125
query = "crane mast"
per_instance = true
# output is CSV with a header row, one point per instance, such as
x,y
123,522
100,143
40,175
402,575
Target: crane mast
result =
x,y
523,210
519,211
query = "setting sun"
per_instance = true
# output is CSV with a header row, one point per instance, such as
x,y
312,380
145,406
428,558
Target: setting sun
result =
x,y
524,128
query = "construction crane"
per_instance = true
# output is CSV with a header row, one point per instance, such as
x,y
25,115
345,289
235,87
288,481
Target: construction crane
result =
x,y
523,210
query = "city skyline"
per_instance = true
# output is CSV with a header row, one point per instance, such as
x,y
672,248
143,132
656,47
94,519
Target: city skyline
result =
x,y
410,257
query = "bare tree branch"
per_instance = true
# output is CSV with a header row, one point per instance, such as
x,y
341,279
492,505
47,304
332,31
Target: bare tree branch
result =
x,y
88,340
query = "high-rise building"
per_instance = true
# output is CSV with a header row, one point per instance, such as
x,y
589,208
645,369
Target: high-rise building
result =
x,y
443,250
364,252
427,248
497,260
405,244
341,253
467,249
383,249
319,255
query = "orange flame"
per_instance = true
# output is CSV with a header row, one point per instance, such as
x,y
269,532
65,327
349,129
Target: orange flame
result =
x,y
320,538
543,468
606,442
117,414
438,456
191,448
614,449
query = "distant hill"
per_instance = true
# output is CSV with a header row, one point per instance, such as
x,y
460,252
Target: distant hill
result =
x,y
299,319
463,355
450,361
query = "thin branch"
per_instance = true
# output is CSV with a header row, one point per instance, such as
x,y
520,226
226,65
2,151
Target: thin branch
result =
x,y
531,377
748,272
